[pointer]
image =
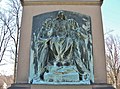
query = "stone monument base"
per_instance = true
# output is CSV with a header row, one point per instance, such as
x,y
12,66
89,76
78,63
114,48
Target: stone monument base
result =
x,y
34,86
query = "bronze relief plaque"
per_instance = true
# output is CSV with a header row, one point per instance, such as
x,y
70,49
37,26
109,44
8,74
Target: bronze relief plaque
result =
x,y
61,49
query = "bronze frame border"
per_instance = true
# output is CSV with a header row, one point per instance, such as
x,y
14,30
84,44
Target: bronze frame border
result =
x,y
35,3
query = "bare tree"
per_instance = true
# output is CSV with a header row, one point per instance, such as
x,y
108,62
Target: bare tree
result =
x,y
16,12
5,33
11,30
113,60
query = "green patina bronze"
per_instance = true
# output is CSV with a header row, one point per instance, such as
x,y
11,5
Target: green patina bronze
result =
x,y
61,49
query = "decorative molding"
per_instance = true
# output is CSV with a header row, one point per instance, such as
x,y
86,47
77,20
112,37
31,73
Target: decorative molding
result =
x,y
34,3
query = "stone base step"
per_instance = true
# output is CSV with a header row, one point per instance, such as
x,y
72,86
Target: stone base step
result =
x,y
74,86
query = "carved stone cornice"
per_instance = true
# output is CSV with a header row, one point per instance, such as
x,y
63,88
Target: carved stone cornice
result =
x,y
34,3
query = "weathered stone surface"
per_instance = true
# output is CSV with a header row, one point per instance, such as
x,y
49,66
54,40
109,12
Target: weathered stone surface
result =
x,y
103,86
33,86
20,86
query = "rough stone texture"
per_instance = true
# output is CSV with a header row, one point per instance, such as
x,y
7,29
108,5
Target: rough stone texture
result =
x,y
20,86
33,86
102,86
63,0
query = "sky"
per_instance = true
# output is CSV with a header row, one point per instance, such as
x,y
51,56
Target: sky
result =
x,y
111,22
111,16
